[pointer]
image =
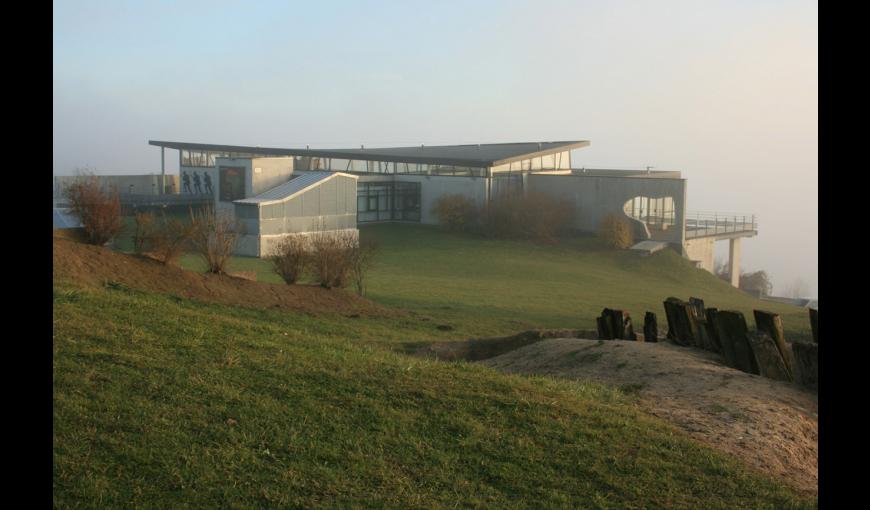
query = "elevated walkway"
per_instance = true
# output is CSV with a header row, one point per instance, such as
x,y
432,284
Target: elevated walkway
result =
x,y
720,225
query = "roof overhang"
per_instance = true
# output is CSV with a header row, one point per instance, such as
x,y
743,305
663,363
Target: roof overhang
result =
x,y
384,154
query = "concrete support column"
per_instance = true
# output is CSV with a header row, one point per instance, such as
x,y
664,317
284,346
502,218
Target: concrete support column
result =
x,y
162,170
734,261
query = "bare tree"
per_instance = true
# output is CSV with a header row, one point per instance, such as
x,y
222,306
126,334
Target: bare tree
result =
x,y
98,210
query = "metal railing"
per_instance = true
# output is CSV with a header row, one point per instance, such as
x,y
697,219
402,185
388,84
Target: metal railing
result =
x,y
140,200
703,224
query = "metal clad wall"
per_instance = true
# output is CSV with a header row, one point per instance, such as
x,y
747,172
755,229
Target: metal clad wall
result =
x,y
328,199
329,206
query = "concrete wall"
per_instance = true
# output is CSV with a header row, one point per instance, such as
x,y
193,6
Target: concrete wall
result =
x,y
701,251
268,173
148,184
594,197
433,186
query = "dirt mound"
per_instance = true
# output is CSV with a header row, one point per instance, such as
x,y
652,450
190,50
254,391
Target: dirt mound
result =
x,y
477,349
771,425
94,265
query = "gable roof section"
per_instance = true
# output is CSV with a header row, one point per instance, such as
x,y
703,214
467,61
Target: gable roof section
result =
x,y
302,182
476,155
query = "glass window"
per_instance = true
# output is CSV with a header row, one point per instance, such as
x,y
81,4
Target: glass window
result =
x,y
548,162
232,183
536,163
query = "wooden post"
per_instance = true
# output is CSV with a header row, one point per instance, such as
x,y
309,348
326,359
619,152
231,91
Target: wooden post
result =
x,y
711,329
770,361
771,324
806,361
731,328
616,325
681,327
814,323
603,330
650,328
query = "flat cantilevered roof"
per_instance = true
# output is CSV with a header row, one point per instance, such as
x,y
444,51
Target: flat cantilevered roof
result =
x,y
476,155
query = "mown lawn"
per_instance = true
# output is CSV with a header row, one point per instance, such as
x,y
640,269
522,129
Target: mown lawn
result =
x,y
162,402
485,287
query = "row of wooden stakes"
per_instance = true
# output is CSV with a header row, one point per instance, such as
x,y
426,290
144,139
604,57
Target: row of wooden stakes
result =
x,y
761,352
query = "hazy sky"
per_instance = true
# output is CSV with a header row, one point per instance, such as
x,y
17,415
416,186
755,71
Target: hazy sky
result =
x,y
725,92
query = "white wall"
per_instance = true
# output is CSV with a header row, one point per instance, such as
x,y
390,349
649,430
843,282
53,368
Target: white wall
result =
x,y
268,173
433,186
701,251
594,197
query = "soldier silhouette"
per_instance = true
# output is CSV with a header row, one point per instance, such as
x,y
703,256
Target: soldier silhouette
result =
x,y
207,179
197,183
185,179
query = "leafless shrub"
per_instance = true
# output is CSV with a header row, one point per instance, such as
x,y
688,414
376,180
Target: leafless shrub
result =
x,y
456,212
534,216
331,257
615,231
169,239
362,258
143,232
214,235
290,259
99,211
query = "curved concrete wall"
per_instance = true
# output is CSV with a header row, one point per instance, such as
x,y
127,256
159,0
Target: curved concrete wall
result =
x,y
594,197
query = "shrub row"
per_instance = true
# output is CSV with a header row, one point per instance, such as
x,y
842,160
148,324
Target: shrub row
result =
x,y
333,258
533,216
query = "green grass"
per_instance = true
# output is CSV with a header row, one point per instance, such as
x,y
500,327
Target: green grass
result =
x,y
485,287
163,402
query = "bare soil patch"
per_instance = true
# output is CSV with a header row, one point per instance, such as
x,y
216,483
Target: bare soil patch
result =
x,y
95,265
770,425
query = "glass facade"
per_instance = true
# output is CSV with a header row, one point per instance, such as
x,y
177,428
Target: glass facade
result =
x,y
388,201
384,167
657,213
206,159
557,161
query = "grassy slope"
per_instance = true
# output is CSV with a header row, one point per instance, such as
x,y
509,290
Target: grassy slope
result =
x,y
488,287
144,386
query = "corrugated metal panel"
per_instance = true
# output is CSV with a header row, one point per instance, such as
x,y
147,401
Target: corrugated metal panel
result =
x,y
289,188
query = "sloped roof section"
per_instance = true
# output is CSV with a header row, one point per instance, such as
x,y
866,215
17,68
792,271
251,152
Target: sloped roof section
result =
x,y
476,155
300,182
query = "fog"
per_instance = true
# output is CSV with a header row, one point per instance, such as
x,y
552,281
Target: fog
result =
x,y
725,92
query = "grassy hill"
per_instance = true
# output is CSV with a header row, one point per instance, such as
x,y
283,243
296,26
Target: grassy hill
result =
x,y
165,402
485,287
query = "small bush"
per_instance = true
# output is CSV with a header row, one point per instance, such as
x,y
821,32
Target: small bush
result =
x,y
290,259
214,236
456,212
331,254
361,260
99,211
534,216
169,238
615,231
